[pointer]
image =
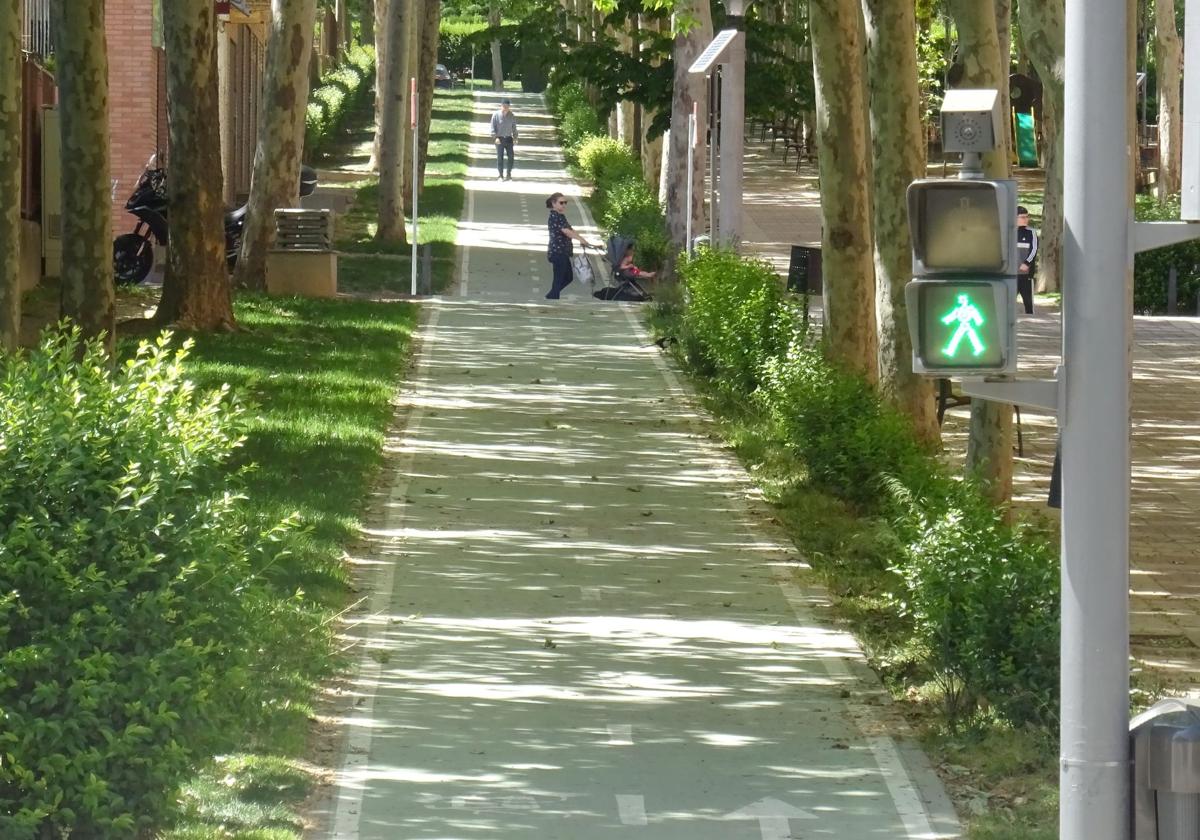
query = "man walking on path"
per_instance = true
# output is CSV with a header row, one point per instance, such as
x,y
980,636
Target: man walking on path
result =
x,y
1027,248
504,132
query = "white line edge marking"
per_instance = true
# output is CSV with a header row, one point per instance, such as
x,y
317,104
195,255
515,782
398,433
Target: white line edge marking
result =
x,y
911,809
632,808
358,743
464,262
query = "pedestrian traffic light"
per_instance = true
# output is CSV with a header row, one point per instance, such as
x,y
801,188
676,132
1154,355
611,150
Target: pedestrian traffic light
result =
x,y
962,298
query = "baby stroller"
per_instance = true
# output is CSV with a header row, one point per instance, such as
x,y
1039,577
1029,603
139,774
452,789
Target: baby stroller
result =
x,y
622,284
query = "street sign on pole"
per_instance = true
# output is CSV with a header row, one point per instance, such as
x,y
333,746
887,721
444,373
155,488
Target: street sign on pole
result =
x,y
728,51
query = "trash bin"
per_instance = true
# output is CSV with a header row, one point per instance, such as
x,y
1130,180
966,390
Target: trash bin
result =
x,y
303,261
1166,771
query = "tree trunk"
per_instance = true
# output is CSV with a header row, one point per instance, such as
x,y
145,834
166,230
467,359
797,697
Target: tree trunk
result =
x,y
195,293
430,39
1169,58
847,256
382,16
10,174
1043,31
415,27
366,32
82,76
989,446
687,90
493,19
898,143
393,126
275,180
330,39
344,27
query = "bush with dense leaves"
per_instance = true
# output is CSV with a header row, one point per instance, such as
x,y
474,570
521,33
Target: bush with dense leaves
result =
x,y
980,594
983,598
133,594
605,160
341,91
631,208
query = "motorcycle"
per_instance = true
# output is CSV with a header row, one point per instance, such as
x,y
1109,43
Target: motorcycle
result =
x,y
133,253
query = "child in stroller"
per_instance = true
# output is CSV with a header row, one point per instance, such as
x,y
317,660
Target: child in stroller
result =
x,y
624,284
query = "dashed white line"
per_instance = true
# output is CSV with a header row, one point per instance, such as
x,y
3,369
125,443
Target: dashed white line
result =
x,y
632,809
620,735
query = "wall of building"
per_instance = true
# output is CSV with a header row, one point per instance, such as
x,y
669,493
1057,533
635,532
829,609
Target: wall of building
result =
x,y
137,105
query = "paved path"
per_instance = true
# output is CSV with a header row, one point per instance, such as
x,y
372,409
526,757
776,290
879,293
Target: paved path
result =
x,y
783,208
582,627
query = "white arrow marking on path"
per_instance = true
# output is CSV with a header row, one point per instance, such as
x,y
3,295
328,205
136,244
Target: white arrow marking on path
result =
x,y
632,808
620,735
772,816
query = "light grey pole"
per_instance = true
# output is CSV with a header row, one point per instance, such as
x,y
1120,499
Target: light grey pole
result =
x,y
733,126
1097,318
691,175
714,161
412,93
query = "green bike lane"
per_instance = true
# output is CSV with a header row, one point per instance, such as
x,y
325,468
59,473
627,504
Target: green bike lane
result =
x,y
580,626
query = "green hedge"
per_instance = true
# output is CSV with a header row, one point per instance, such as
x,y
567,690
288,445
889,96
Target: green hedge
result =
x,y
133,599
979,595
341,91
1150,268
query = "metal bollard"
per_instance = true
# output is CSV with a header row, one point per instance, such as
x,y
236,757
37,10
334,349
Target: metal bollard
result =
x,y
1166,771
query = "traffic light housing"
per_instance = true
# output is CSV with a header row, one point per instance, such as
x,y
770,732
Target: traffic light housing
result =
x,y
962,299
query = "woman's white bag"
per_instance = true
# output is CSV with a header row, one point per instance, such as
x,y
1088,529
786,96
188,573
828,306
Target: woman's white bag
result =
x,y
581,269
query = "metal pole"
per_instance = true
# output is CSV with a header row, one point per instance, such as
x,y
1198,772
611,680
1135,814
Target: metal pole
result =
x,y
691,176
1094,776
714,168
416,154
733,125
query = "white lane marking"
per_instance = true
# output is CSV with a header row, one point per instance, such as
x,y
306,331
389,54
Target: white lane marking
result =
x,y
772,816
909,806
352,778
590,593
632,808
620,735
464,264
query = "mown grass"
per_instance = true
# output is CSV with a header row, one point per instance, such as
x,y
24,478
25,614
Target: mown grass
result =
x,y
440,207
319,377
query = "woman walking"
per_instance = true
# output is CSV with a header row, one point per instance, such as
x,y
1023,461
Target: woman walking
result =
x,y
560,249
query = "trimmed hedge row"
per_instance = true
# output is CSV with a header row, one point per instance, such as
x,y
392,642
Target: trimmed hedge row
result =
x,y
978,595
623,202
341,91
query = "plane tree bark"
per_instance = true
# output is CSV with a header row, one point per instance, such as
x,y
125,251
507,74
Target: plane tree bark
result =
x,y
847,252
82,77
195,294
10,173
989,444
898,145
275,178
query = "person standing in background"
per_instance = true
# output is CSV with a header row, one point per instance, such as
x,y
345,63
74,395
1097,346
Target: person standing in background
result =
x,y
1027,249
504,131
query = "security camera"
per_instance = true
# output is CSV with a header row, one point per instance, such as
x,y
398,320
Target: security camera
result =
x,y
971,121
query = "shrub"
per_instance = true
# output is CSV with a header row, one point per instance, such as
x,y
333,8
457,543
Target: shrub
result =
x,y
606,161
849,439
1150,268
132,602
732,316
340,92
630,208
983,597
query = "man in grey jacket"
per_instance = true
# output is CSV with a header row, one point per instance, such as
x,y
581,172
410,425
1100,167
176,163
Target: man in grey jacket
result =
x,y
504,131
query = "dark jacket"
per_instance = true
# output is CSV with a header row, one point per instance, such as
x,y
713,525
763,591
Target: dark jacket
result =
x,y
1027,248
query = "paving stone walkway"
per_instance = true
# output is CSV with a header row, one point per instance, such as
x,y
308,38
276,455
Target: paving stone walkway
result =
x,y
581,627
783,208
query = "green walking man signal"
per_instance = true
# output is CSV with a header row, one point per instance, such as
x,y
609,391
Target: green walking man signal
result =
x,y
962,298
968,317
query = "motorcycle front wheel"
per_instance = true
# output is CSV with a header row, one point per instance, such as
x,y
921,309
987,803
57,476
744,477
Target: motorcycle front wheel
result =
x,y
133,257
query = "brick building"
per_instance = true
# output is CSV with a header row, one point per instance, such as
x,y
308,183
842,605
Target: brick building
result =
x,y
138,100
